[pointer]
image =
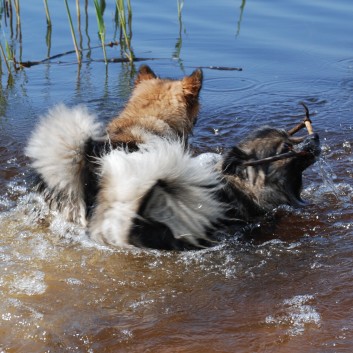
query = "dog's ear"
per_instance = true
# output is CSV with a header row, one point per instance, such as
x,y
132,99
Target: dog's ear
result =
x,y
144,73
233,160
193,83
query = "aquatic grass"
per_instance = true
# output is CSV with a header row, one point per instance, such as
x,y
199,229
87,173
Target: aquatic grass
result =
x,y
180,5
47,13
5,59
101,26
48,39
242,6
18,19
125,41
86,31
10,12
9,15
78,11
9,52
78,52
179,42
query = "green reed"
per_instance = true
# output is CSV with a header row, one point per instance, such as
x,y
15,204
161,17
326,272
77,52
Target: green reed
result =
x,y
179,42
101,26
242,6
5,58
180,5
78,52
8,54
18,19
125,23
47,13
10,14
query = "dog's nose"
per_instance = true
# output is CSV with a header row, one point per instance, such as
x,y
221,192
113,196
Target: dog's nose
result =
x,y
312,144
315,137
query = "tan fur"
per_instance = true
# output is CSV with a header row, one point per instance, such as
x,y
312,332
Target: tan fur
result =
x,y
162,107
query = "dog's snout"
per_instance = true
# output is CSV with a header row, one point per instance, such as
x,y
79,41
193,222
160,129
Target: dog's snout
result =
x,y
314,137
312,144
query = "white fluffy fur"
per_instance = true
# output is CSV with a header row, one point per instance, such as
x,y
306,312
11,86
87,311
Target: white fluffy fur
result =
x,y
56,150
127,177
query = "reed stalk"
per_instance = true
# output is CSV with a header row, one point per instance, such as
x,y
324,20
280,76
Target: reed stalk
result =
x,y
5,58
48,39
47,14
78,10
179,43
129,19
180,5
7,10
101,27
78,53
86,30
242,6
18,19
120,5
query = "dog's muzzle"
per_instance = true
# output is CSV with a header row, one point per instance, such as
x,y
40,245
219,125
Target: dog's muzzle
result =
x,y
311,145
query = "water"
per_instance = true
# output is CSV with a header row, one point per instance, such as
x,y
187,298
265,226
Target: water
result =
x,y
287,290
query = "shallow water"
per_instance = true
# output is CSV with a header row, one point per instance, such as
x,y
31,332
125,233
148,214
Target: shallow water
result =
x,y
287,290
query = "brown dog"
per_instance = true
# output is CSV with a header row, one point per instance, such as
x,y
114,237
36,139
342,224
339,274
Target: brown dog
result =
x,y
163,107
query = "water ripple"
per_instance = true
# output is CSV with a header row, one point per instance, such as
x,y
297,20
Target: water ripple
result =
x,y
229,84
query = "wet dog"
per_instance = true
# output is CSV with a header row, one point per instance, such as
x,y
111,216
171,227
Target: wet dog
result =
x,y
264,171
105,179
138,185
162,107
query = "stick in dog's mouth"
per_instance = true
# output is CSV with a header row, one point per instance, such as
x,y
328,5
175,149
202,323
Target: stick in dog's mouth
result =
x,y
305,123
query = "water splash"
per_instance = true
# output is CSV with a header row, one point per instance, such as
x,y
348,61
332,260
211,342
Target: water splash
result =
x,y
295,314
328,176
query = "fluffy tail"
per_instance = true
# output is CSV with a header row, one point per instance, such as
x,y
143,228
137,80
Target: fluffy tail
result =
x,y
173,187
56,148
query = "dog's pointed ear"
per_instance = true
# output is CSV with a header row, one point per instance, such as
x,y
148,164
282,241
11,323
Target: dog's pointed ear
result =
x,y
193,83
233,160
144,73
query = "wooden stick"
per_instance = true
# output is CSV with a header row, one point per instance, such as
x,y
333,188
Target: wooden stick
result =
x,y
305,123
295,129
309,127
271,159
307,120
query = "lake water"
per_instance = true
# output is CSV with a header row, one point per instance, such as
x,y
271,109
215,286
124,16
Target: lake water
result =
x,y
289,291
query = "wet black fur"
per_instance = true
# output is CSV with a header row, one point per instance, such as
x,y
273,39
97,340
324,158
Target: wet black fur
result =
x,y
283,179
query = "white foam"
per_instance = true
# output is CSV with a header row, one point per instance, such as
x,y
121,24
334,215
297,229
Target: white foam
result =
x,y
32,283
298,314
73,281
